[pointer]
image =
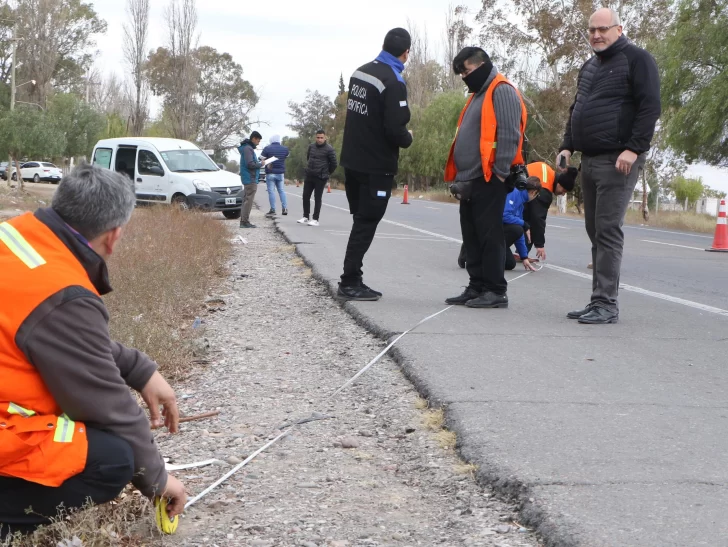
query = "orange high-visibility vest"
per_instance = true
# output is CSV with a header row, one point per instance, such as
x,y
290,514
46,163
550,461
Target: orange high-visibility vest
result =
x,y
543,172
38,442
488,124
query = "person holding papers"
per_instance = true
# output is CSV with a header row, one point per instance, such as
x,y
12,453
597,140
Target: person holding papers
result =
x,y
249,171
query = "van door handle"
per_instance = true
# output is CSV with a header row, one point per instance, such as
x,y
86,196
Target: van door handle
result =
x,y
139,179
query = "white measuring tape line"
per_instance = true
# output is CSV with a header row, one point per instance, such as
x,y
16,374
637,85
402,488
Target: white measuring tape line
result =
x,y
286,431
290,428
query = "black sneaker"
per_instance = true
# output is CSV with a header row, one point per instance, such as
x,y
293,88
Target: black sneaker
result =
x,y
271,213
489,300
468,294
285,211
371,290
247,225
356,293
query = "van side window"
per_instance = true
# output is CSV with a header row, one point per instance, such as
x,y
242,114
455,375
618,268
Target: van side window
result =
x,y
148,164
102,158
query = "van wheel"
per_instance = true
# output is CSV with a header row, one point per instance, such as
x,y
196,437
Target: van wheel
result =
x,y
181,202
232,215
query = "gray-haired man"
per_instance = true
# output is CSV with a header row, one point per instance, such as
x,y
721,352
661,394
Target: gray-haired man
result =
x,y
70,430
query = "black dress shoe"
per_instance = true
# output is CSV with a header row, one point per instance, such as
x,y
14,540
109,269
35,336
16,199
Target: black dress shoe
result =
x,y
489,300
578,313
358,293
599,316
468,294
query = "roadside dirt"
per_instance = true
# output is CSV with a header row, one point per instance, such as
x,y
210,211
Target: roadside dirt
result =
x,y
373,468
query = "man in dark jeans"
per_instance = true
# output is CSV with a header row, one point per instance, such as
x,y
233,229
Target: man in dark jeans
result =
x,y
488,143
376,128
250,168
611,123
321,158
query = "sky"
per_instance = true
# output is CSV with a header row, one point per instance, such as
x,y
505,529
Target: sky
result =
x,y
290,46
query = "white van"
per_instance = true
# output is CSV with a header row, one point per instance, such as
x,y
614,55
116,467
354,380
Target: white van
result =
x,y
172,171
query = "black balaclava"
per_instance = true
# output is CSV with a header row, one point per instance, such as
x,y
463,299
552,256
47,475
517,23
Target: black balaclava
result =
x,y
477,78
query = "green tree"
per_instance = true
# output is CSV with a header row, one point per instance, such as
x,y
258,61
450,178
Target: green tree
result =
x,y
316,112
694,63
423,163
342,87
687,189
80,124
709,192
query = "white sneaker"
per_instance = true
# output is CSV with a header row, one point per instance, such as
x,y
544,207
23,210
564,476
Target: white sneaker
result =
x,y
313,223
303,220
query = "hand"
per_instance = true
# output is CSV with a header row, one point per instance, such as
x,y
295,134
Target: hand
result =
x,y
159,392
175,493
411,134
625,161
527,265
528,236
541,253
566,154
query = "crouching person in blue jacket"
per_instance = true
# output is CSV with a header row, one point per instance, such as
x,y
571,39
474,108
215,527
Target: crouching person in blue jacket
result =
x,y
516,230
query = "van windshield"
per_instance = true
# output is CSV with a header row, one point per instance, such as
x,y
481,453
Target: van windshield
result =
x,y
188,161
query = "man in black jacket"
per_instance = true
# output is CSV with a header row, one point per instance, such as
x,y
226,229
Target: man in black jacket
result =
x,y
611,123
321,158
376,128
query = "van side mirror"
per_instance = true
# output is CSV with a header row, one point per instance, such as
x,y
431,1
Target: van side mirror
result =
x,y
156,170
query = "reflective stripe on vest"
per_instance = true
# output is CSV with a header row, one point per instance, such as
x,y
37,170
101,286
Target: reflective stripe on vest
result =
x,y
64,429
17,409
19,246
545,176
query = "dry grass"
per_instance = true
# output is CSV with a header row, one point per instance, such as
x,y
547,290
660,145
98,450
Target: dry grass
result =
x,y
463,468
126,522
437,194
166,264
12,199
690,222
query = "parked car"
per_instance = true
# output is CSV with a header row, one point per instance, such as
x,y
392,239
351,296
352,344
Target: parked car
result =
x,y
3,170
172,171
38,171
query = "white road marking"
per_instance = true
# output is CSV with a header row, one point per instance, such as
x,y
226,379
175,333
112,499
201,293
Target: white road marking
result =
x,y
630,288
672,244
559,227
640,290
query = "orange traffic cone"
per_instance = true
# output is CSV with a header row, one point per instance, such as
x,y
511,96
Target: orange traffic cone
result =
x,y
720,241
329,188
405,200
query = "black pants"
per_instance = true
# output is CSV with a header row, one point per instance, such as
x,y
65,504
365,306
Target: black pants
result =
x,y
512,232
368,196
109,468
481,223
315,186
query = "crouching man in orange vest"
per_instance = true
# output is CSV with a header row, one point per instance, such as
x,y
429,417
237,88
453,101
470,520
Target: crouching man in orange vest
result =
x,y
70,429
488,143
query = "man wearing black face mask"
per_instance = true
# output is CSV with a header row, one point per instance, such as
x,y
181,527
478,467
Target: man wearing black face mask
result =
x,y
488,142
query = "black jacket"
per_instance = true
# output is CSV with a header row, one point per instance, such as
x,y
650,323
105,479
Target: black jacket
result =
x,y
617,102
376,120
535,213
321,160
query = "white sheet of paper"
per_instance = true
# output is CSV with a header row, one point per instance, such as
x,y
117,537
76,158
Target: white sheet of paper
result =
x,y
270,160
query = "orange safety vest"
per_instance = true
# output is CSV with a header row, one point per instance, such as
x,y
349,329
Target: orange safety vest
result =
x,y
544,172
488,124
38,442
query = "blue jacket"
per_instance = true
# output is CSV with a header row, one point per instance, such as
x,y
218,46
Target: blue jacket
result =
x,y
281,152
513,214
249,164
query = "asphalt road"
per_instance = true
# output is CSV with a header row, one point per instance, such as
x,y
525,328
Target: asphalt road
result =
x,y
612,435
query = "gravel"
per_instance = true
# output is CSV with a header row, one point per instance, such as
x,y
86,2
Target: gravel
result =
x,y
362,471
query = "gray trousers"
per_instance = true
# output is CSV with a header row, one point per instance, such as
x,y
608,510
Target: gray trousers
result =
x,y
249,194
607,194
